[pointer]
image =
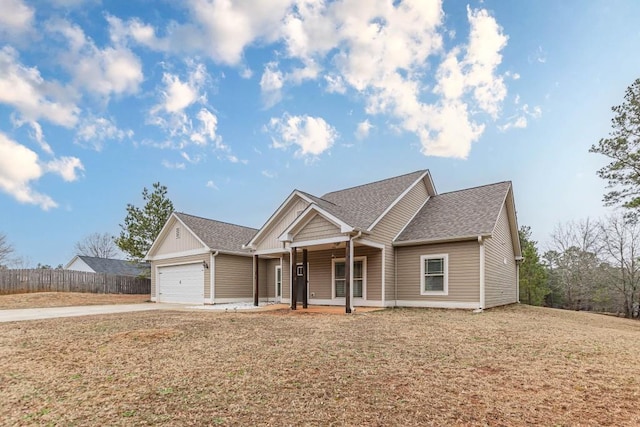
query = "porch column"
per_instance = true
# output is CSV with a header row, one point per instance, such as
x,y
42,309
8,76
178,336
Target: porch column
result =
x,y
305,274
294,279
256,287
347,277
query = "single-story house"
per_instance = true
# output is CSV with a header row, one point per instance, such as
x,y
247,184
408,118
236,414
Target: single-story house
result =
x,y
117,267
394,242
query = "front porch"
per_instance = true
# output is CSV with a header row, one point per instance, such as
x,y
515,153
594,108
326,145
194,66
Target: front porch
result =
x,y
343,273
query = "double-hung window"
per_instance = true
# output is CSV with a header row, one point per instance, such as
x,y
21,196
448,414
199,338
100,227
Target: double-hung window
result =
x,y
434,274
339,278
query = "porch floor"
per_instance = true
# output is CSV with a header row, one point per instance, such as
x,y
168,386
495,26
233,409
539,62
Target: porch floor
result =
x,y
312,309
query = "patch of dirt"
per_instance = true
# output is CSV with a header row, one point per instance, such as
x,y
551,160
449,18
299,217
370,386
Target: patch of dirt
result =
x,y
65,299
512,366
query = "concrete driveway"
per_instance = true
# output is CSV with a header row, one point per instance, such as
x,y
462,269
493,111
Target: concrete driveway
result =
x,y
53,312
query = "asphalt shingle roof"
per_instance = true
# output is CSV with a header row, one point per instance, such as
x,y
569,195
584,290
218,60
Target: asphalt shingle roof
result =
x,y
115,266
218,235
463,213
360,206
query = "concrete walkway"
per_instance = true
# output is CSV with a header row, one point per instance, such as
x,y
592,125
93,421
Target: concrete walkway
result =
x,y
53,312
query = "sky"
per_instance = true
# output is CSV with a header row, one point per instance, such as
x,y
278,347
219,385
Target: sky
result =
x,y
233,104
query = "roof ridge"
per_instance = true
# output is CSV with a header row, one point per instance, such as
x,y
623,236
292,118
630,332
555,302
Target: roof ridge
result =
x,y
314,196
375,182
216,220
473,188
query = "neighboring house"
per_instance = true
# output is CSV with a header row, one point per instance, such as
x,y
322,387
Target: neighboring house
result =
x,y
394,242
199,260
116,267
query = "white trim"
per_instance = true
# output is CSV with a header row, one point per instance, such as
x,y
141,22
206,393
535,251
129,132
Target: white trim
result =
x,y
411,219
180,254
482,273
320,241
208,300
212,276
267,224
384,272
445,278
359,302
437,304
397,200
287,235
371,243
174,264
231,300
270,251
275,291
418,242
364,278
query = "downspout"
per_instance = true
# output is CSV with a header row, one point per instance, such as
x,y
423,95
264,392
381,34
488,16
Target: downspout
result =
x,y
482,284
212,273
395,276
352,250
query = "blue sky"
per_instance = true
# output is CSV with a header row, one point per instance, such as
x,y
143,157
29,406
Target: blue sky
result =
x,y
233,104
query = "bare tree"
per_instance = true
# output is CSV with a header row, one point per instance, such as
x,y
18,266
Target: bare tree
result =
x,y
621,248
6,251
100,245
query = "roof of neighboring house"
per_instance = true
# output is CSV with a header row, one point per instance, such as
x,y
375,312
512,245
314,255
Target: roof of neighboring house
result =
x,y
218,235
118,267
458,214
360,206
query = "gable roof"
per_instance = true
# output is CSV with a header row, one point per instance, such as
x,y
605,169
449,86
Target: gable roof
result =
x,y
461,214
217,235
118,267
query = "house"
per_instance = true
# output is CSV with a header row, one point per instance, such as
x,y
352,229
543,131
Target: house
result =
x,y
394,242
116,267
199,260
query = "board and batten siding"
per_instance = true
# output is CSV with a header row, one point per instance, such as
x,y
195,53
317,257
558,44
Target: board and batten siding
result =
x,y
172,244
183,260
500,265
388,228
234,276
463,272
317,228
270,239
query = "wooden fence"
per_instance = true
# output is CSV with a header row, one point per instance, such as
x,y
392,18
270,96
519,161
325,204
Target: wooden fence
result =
x,y
44,280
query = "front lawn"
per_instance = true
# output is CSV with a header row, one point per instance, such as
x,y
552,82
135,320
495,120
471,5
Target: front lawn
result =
x,y
510,366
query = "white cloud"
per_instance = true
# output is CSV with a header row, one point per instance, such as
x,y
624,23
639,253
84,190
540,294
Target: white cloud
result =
x,y
16,17
24,89
362,131
312,135
520,119
271,84
269,174
211,184
20,167
177,94
36,132
95,131
176,165
112,70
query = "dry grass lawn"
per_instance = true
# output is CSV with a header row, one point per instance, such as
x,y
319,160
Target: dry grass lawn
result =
x,y
509,366
65,299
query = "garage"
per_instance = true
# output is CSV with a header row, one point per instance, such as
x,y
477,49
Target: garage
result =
x,y
181,283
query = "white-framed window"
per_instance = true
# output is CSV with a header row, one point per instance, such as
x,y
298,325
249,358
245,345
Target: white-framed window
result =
x,y
434,274
338,276
278,281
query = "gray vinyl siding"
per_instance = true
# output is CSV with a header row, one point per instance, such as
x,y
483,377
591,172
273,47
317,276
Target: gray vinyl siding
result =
x,y
463,271
388,228
271,278
263,273
234,276
317,228
500,265
192,259
374,271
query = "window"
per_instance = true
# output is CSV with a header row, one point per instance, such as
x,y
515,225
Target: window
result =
x,y
434,274
278,281
359,277
177,232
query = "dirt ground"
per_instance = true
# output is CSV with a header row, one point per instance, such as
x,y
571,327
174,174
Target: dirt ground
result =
x,y
65,299
511,366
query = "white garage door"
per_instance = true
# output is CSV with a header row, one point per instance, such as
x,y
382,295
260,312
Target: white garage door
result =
x,y
181,283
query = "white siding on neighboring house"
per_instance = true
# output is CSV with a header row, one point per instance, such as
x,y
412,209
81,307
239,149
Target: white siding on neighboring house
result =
x,y
79,265
388,228
270,239
181,242
500,265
